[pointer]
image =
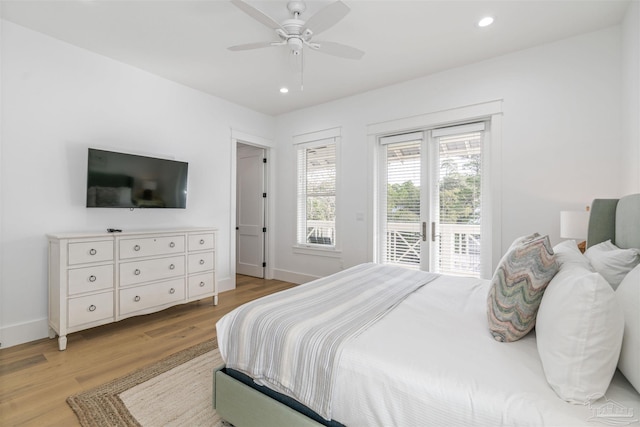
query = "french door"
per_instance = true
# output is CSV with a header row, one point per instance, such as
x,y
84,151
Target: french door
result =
x,y
430,199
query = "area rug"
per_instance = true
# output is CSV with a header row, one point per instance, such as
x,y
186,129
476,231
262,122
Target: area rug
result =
x,y
176,391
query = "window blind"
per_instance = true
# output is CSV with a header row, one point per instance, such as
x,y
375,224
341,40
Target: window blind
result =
x,y
401,227
317,193
458,199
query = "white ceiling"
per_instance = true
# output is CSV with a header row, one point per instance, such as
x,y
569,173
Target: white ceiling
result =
x,y
186,41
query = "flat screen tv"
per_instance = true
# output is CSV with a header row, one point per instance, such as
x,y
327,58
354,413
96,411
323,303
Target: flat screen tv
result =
x,y
120,180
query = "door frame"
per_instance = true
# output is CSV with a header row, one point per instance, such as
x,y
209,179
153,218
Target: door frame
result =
x,y
239,137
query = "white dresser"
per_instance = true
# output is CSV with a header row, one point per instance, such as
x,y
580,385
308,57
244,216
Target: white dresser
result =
x,y
101,278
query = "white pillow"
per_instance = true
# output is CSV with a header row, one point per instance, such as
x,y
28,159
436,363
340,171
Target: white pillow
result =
x,y
628,294
579,334
612,262
567,252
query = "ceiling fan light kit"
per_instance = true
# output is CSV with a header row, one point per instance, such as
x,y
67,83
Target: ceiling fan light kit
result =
x,y
296,33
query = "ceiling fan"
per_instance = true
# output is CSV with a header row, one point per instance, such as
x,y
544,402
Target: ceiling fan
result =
x,y
296,33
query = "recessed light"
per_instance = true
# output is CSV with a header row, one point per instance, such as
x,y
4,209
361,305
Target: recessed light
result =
x,y
284,90
485,22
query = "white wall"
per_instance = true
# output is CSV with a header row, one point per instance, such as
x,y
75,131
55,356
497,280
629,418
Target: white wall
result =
x,y
631,97
561,140
58,100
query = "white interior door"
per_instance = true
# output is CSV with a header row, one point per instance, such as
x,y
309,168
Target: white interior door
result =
x,y
250,211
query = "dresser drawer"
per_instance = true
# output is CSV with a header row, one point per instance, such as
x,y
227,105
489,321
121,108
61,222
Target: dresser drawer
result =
x,y
151,295
201,262
90,308
202,241
201,284
95,251
152,269
89,279
150,246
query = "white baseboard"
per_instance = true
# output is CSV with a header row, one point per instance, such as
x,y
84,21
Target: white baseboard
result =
x,y
226,284
24,332
293,277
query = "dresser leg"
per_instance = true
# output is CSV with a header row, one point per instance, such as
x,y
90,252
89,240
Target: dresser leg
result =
x,y
62,342
52,333
215,300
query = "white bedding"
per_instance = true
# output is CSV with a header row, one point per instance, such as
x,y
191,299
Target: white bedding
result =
x,y
432,361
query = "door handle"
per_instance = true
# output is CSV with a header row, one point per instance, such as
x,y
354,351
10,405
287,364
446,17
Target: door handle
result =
x,y
424,231
433,231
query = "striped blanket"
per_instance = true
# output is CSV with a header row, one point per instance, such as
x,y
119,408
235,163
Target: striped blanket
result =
x,y
291,341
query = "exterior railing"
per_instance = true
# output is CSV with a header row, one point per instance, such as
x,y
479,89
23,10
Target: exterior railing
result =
x,y
459,250
458,254
321,232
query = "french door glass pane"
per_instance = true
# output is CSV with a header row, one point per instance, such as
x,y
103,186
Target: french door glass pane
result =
x,y
458,204
402,225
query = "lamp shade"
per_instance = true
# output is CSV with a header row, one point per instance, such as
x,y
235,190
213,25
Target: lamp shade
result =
x,y
574,224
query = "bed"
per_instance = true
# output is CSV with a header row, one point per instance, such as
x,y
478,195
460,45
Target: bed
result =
x,y
428,356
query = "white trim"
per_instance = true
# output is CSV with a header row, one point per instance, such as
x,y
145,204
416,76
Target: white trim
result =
x,y
293,277
494,158
329,251
21,333
437,118
249,139
317,135
226,284
316,143
457,129
405,137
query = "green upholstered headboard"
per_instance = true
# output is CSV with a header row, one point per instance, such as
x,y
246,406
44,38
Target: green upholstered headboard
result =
x,y
617,220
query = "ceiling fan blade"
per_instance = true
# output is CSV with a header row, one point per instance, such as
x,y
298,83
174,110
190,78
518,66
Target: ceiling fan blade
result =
x,y
327,17
249,46
338,49
256,14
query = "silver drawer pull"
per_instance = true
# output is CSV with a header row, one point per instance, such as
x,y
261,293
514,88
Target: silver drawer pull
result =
x,y
201,284
136,298
172,245
171,267
92,278
92,307
201,261
202,241
136,272
136,248
172,291
92,252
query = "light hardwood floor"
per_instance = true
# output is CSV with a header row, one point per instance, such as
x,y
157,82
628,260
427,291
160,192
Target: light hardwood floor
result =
x,y
36,378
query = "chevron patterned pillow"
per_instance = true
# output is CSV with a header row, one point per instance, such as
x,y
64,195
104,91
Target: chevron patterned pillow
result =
x,y
517,287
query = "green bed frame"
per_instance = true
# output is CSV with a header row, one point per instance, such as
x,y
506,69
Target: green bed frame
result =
x,y
244,406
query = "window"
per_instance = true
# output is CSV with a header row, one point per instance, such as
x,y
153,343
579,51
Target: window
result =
x,y
316,210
